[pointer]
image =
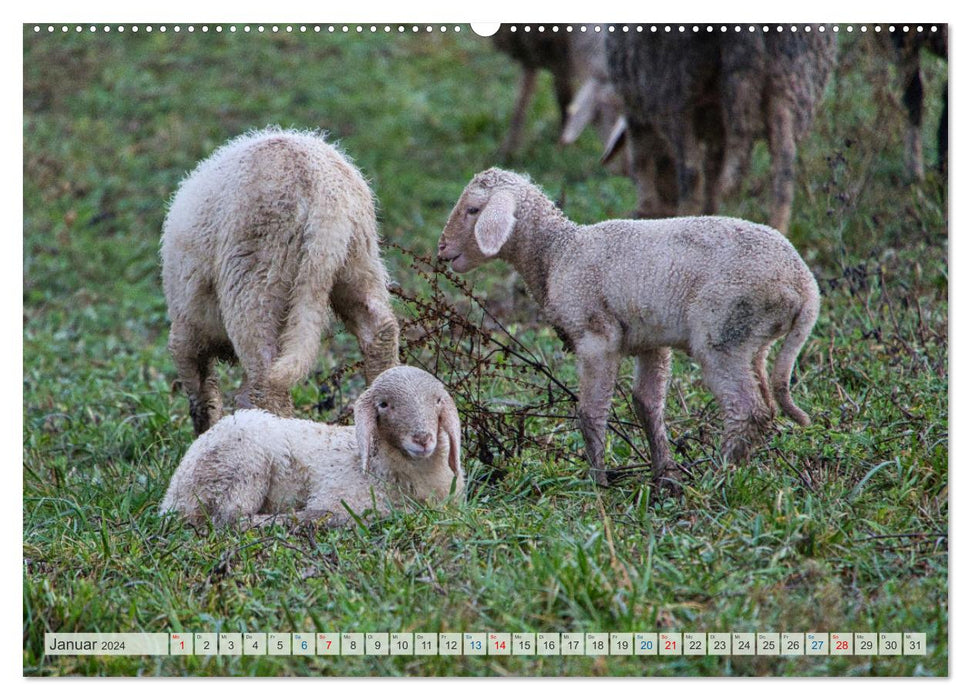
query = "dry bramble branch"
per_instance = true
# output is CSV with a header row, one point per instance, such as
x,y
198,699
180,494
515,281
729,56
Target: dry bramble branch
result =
x,y
508,396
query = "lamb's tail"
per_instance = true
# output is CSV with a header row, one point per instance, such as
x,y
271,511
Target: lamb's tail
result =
x,y
321,256
786,359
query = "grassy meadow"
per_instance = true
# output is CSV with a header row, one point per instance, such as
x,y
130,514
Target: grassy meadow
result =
x,y
841,526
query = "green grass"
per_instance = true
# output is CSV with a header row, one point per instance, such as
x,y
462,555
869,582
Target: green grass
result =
x,y
841,526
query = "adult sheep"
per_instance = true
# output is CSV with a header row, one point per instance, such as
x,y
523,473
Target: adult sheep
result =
x,y
577,61
694,105
262,240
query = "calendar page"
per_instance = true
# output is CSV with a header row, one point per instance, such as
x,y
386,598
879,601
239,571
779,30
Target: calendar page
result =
x,y
388,348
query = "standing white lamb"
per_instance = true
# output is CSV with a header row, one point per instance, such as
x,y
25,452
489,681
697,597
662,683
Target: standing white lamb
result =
x,y
406,443
261,240
721,289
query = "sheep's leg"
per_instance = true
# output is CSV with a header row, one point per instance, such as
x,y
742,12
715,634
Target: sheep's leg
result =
x,y
651,377
647,160
782,144
254,324
220,486
746,416
597,364
688,165
741,110
563,87
275,399
914,103
514,136
369,317
714,167
242,397
259,390
196,374
737,156
240,492
758,367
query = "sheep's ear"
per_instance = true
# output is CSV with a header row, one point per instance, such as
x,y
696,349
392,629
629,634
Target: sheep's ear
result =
x,y
495,222
615,141
365,427
448,420
580,112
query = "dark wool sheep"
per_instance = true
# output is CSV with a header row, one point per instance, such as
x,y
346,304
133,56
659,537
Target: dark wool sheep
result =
x,y
576,59
694,105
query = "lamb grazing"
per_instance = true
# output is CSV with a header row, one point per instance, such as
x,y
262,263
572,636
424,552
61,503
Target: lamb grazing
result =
x,y
405,445
695,104
261,240
721,289
574,58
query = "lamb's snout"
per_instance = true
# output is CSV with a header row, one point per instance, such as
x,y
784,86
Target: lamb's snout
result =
x,y
420,445
449,253
423,439
447,245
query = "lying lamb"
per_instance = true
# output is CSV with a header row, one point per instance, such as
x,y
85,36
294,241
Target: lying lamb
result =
x,y
721,289
406,443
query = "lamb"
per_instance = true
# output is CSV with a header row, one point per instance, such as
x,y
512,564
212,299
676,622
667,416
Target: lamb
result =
x,y
405,444
261,240
695,104
721,289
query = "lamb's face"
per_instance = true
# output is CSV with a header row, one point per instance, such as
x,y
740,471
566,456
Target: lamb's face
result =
x,y
407,410
408,422
407,414
457,244
482,221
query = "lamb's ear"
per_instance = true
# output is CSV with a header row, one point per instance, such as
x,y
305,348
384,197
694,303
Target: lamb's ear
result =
x,y
366,428
448,420
495,222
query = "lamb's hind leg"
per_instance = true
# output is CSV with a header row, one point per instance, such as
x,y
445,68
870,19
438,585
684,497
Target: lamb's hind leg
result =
x,y
253,325
195,367
758,367
652,171
746,415
365,309
651,377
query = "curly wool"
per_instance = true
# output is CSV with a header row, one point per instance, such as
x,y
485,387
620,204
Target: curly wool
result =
x,y
721,289
695,104
254,463
262,241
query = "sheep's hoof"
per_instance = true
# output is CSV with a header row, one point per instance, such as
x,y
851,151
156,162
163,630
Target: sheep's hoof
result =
x,y
667,486
736,452
600,476
667,481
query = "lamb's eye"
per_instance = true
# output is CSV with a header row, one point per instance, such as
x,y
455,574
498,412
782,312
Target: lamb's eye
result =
x,y
383,405
472,210
438,401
